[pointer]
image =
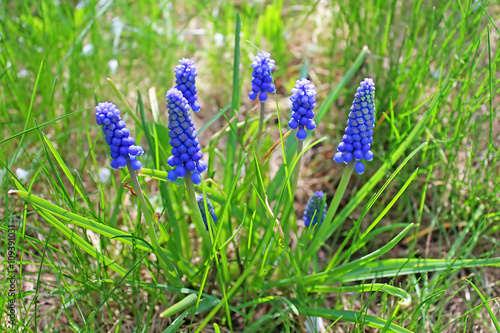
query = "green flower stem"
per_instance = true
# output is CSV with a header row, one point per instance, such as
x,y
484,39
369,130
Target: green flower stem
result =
x,y
296,171
289,221
261,120
165,263
334,205
198,220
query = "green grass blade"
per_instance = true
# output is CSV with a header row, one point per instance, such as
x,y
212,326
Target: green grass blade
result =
x,y
124,101
403,266
488,307
351,316
235,105
344,269
79,220
66,171
371,287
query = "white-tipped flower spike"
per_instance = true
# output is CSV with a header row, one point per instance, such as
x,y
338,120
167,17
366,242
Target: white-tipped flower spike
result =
x,y
185,78
356,142
303,99
186,151
262,81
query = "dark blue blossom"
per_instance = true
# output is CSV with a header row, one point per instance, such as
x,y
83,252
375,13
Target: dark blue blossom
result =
x,y
262,81
117,136
185,78
315,209
201,205
356,142
303,99
186,151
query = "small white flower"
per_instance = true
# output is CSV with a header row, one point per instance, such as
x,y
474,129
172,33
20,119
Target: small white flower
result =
x,y
87,49
219,40
113,65
104,175
22,174
23,73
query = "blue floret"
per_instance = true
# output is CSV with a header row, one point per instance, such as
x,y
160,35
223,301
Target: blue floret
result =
x,y
186,152
118,137
262,81
356,143
315,210
185,80
303,99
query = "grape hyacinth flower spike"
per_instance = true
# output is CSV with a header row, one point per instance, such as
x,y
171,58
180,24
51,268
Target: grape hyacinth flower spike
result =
x,y
210,207
303,99
185,80
313,213
118,137
186,151
186,154
262,81
356,142
124,153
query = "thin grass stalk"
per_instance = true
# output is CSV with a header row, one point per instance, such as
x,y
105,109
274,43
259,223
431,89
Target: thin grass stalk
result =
x,y
261,119
296,171
165,263
289,221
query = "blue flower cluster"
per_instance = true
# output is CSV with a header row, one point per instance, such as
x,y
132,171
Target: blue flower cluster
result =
x,y
262,81
356,142
303,99
201,205
186,151
185,78
313,212
117,136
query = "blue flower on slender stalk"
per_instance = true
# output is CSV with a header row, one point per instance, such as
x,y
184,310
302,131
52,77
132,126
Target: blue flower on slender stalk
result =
x,y
118,137
185,78
356,142
186,151
201,205
314,211
303,99
262,81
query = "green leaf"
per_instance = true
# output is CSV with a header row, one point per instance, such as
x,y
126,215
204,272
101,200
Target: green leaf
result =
x,y
65,169
81,221
353,317
403,266
371,287
340,272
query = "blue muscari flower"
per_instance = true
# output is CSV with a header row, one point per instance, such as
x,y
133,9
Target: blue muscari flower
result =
x,y
356,142
313,212
262,81
303,99
186,151
117,136
185,78
201,205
